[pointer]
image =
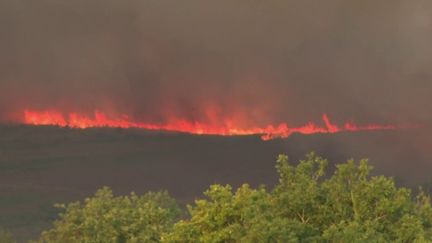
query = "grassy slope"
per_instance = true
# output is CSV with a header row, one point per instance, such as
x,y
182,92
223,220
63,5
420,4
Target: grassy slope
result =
x,y
43,165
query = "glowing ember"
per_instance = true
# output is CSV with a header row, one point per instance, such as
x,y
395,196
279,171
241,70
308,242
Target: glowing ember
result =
x,y
75,120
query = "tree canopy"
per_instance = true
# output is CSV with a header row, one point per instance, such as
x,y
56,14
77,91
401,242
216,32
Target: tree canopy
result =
x,y
105,218
307,205
6,236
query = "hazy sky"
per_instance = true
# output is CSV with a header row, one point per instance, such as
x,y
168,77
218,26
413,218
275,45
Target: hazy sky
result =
x,y
270,60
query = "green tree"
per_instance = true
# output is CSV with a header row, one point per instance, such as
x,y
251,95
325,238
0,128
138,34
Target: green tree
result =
x,y
6,236
307,205
348,206
105,218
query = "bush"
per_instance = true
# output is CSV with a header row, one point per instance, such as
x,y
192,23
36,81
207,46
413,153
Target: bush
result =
x,y
307,205
349,206
105,218
6,237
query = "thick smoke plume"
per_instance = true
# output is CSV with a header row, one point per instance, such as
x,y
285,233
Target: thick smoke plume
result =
x,y
264,61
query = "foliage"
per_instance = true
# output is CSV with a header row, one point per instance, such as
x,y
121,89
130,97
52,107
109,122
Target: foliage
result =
x,y
105,218
307,205
6,237
349,206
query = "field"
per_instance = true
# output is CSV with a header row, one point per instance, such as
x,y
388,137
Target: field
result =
x,y
40,166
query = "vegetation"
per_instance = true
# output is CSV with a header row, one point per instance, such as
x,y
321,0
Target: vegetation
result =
x,y
105,218
307,205
6,237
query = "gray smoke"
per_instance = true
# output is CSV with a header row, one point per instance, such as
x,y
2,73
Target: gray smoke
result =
x,y
272,60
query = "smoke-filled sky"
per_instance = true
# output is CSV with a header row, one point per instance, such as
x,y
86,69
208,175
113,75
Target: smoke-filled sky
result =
x,y
267,61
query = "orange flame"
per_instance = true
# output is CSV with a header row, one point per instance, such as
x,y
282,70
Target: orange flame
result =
x,y
76,120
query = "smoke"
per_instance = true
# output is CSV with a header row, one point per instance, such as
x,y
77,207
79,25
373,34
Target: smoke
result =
x,y
270,61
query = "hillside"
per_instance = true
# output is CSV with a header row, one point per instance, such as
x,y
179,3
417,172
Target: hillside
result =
x,y
43,165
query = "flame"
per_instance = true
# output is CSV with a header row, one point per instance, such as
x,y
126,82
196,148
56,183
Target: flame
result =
x,y
228,128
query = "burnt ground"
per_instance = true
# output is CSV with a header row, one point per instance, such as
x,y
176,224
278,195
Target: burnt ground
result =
x,y
40,166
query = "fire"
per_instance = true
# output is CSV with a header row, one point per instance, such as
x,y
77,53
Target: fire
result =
x,y
227,128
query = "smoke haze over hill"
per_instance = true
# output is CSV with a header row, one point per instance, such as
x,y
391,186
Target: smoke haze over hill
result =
x,y
269,61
